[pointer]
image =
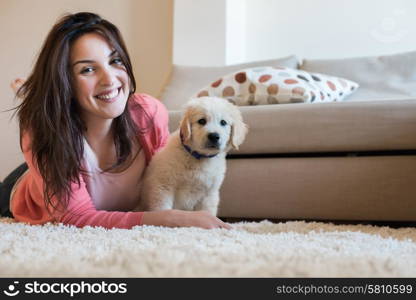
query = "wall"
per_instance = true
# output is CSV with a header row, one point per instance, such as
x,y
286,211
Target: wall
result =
x,y
199,32
328,29
145,24
209,32
236,32
266,29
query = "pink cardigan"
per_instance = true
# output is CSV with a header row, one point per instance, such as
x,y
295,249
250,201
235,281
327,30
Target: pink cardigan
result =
x,y
27,204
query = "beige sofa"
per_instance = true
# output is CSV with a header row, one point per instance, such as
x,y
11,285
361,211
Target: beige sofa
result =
x,y
350,160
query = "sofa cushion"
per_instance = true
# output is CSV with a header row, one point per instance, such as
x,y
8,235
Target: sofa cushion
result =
x,y
326,127
278,85
380,77
185,81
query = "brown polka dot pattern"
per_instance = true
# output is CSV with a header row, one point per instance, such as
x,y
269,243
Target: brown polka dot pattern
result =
x,y
228,92
298,91
252,88
275,85
273,89
241,77
203,94
290,81
216,83
264,78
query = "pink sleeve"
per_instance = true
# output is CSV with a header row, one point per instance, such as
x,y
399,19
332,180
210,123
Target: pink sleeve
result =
x,y
157,137
80,212
161,121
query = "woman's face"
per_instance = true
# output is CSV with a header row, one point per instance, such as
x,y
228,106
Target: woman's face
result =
x,y
100,78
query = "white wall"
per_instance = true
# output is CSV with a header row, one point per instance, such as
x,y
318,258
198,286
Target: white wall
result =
x,y
209,32
265,29
199,32
235,32
329,29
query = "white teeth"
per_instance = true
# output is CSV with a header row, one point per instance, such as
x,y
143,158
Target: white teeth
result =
x,y
108,96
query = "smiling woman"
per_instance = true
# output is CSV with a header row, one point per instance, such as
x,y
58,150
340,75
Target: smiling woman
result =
x,y
100,79
86,136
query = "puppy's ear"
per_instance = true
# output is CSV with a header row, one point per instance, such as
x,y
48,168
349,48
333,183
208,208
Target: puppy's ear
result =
x,y
185,127
238,128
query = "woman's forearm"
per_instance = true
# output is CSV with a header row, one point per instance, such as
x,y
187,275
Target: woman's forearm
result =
x,y
179,218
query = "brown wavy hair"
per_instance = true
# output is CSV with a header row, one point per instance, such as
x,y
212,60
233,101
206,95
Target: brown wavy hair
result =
x,y
50,113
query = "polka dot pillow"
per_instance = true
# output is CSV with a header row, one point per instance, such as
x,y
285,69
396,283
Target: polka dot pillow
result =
x,y
276,85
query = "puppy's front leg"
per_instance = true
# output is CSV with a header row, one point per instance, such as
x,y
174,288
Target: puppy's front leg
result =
x,y
155,198
160,201
209,203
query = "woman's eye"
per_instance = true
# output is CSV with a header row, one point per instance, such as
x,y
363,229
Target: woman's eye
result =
x,y
87,70
202,121
223,123
117,61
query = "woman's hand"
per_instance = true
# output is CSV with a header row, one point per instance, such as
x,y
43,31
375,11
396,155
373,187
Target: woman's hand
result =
x,y
181,218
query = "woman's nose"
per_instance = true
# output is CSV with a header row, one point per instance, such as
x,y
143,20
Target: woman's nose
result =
x,y
107,77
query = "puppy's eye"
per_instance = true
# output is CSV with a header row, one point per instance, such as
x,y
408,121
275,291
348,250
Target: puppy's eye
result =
x,y
202,121
223,123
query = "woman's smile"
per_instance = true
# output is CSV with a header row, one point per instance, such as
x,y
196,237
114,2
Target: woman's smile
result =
x,y
109,96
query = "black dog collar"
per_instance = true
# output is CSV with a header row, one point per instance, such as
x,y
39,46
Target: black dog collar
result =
x,y
195,154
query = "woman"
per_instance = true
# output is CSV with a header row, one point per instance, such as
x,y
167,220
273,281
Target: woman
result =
x,y
85,135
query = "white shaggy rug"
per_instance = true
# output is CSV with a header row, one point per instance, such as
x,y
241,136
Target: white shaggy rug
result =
x,y
265,249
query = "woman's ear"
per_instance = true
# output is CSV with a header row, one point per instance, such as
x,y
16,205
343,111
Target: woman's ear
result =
x,y
185,128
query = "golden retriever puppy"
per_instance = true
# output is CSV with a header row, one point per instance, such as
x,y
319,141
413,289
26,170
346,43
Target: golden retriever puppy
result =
x,y
187,174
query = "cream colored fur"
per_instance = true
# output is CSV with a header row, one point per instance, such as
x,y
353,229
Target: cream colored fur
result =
x,y
176,180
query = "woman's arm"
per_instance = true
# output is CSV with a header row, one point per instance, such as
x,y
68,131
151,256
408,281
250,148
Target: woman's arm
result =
x,y
28,203
180,218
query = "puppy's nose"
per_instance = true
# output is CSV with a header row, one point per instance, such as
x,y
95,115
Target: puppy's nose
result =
x,y
213,137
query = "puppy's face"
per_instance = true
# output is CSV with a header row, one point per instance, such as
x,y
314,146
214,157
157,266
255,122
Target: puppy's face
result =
x,y
210,124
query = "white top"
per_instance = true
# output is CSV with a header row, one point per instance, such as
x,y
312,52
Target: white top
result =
x,y
113,191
